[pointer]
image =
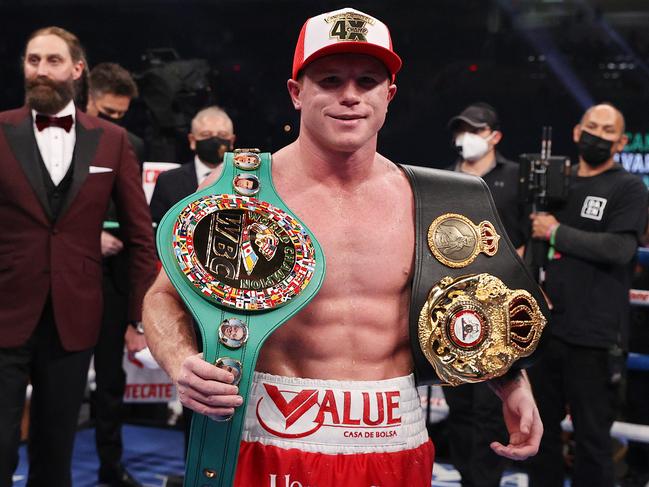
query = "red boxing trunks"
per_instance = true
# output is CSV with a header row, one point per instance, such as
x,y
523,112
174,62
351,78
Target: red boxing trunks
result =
x,y
326,433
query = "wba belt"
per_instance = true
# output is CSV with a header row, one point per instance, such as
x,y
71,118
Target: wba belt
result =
x,y
475,309
243,265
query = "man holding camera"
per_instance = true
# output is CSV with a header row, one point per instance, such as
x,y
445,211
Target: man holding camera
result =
x,y
592,240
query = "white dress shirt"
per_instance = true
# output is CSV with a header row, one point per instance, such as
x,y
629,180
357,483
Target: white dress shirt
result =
x,y
202,170
56,145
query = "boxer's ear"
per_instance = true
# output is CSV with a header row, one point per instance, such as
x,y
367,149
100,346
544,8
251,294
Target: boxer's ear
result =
x,y
392,91
294,90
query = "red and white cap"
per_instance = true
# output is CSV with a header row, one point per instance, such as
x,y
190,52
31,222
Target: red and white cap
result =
x,y
344,31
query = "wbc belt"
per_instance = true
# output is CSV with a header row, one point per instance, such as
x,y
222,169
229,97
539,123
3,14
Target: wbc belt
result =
x,y
475,310
243,265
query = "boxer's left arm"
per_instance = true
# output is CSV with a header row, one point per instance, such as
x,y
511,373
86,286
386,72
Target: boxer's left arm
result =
x,y
521,416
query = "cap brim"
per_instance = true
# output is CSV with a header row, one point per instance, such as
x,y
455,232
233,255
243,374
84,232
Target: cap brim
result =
x,y
459,118
387,57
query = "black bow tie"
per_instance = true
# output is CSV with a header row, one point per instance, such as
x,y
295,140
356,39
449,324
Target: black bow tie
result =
x,y
44,121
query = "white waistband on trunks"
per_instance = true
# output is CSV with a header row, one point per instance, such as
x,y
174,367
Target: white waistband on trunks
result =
x,y
330,416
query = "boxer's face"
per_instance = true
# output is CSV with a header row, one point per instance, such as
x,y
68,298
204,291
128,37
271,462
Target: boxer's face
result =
x,y
343,99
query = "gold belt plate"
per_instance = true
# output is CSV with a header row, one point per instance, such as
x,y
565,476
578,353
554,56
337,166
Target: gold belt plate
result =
x,y
473,328
456,241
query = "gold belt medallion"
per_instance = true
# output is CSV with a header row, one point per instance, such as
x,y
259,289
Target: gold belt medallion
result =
x,y
456,241
473,328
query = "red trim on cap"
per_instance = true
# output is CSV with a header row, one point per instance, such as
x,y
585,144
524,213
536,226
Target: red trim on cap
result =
x,y
391,60
299,51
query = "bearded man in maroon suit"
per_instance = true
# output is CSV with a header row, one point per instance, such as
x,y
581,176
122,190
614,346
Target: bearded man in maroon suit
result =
x,y
58,170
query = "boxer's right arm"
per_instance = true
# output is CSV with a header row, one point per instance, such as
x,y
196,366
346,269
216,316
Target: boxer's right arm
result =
x,y
169,332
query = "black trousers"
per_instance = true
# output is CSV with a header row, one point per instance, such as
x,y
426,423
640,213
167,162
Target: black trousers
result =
x,y
636,408
110,377
576,377
475,420
59,379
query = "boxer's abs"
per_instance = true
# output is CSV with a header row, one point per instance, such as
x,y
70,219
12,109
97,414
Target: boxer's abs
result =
x,y
331,340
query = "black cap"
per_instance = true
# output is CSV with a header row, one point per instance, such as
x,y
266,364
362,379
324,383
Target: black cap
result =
x,y
478,115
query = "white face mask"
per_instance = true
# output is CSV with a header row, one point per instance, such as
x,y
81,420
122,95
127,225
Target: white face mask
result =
x,y
471,146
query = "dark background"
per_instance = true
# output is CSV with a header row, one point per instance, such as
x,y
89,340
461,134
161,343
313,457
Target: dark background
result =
x,y
538,62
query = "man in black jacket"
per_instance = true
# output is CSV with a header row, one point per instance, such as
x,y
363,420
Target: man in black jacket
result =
x,y
111,89
212,135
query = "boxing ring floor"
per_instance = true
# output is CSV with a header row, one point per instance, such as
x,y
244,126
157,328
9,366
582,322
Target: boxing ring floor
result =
x,y
151,454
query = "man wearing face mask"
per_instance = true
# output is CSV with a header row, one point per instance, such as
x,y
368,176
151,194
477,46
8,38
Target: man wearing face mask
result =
x,y
474,410
212,135
593,239
476,135
110,91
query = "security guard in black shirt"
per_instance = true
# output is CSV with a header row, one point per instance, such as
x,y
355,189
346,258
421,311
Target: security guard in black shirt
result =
x,y
474,410
593,239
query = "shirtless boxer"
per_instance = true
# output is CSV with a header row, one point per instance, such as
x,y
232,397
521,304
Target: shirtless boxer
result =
x,y
350,344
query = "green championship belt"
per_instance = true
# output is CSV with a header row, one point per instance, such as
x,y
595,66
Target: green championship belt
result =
x,y
243,265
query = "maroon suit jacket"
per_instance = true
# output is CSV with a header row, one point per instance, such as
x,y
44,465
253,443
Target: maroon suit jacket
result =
x,y
39,257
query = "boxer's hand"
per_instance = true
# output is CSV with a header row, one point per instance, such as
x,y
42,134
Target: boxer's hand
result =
x,y
521,418
542,223
207,389
110,245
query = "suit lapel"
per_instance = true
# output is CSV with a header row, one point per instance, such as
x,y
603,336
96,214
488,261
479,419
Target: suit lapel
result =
x,y
191,183
23,144
85,148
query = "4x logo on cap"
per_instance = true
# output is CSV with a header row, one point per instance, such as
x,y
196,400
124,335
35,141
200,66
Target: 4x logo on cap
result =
x,y
349,26
344,31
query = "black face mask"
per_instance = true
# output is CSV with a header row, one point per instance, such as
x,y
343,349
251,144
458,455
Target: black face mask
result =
x,y
211,150
116,121
594,150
